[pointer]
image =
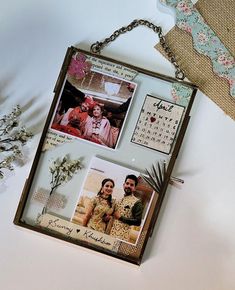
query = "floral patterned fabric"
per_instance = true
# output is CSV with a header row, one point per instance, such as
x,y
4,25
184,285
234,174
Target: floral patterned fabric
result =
x,y
181,94
205,40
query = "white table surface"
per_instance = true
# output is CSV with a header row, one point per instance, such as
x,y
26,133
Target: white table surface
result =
x,y
193,246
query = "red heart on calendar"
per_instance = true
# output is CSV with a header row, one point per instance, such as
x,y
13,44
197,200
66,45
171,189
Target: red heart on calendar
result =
x,y
152,119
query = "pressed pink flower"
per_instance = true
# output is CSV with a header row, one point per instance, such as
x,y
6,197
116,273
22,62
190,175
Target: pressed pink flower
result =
x,y
79,67
80,57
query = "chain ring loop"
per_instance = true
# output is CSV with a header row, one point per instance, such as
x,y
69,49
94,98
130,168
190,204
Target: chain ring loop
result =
x,y
98,46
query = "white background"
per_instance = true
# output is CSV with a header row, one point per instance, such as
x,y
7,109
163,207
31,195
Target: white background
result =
x,y
193,245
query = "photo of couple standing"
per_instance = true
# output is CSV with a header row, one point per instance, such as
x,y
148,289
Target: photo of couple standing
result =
x,y
121,217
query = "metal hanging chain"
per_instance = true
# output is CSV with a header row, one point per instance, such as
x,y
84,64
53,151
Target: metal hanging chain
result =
x,y
99,45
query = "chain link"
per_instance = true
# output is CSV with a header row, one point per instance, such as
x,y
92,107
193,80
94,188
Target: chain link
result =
x,y
99,45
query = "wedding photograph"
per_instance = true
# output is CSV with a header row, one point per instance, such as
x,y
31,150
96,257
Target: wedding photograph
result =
x,y
114,200
93,106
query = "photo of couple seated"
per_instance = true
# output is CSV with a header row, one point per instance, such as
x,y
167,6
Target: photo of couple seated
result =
x,y
94,109
116,205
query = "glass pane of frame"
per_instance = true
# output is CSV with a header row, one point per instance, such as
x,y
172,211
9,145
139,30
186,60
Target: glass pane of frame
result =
x,y
106,155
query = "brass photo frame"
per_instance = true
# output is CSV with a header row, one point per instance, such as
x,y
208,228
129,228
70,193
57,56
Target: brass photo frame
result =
x,y
91,183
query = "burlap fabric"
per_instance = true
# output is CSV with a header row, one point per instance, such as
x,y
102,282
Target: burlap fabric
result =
x,y
219,15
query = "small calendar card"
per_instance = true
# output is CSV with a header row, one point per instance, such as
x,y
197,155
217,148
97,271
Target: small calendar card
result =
x,y
158,124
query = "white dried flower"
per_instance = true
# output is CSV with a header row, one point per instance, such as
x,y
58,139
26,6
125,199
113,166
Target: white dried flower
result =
x,y
12,139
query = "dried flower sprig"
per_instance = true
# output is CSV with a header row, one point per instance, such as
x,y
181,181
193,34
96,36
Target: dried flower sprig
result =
x,y
12,139
155,176
61,172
